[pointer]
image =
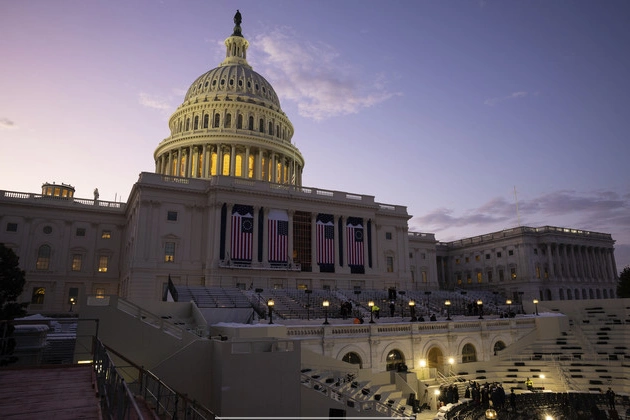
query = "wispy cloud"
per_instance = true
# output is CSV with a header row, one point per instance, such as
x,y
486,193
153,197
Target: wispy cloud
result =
x,y
512,96
155,102
601,211
315,76
7,124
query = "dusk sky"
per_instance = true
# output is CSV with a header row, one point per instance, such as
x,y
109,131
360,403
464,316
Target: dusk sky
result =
x,y
446,107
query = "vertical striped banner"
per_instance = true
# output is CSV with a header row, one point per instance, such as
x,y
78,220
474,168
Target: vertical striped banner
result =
x,y
242,232
354,240
325,229
278,235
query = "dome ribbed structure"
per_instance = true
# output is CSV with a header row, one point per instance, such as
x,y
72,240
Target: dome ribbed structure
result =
x,y
231,124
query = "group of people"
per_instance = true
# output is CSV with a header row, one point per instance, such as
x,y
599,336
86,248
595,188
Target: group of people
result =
x,y
486,394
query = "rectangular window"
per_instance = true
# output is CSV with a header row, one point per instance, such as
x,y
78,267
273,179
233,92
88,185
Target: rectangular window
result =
x,y
535,251
388,236
489,275
459,279
487,256
103,261
106,234
477,257
390,264
12,227
537,272
501,275
498,255
511,252
169,252
468,279
37,298
80,232
410,255
424,276
479,277
467,259
457,261
423,256
100,293
171,216
77,260
513,272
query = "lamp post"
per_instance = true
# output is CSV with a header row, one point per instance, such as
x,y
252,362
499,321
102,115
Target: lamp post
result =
x,y
451,361
371,305
447,303
412,310
480,306
270,304
308,304
536,305
509,304
326,304
402,303
72,302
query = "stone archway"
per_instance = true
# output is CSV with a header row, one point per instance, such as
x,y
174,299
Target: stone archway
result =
x,y
435,359
353,358
395,359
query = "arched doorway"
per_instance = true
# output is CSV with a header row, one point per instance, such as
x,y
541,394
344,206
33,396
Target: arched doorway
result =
x,y
469,353
435,359
395,359
353,358
498,346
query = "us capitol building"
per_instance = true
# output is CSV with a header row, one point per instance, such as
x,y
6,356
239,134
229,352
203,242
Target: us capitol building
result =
x,y
226,208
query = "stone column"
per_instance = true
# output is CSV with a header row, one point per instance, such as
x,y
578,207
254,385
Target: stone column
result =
x,y
246,174
314,242
291,213
232,160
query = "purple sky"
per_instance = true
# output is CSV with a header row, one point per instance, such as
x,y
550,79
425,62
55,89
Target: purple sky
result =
x,y
446,107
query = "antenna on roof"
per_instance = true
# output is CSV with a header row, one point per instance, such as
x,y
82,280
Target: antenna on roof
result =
x,y
518,217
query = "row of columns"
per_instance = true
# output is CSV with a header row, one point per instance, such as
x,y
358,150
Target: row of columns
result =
x,y
577,261
291,244
195,162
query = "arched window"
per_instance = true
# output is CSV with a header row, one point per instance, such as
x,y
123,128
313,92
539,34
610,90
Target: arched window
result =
x,y
591,295
353,358
239,121
205,120
251,123
196,122
216,120
577,294
270,128
277,131
584,295
228,121
561,293
569,294
261,125
598,293
187,127
395,360
605,294
469,354
498,346
43,257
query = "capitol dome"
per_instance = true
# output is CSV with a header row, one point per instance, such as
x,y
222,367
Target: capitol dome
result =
x,y
231,124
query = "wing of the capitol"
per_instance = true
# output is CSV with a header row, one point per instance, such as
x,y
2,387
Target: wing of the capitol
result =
x,y
242,292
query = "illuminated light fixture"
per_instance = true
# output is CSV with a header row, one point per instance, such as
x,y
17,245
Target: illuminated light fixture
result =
x,y
326,304
412,310
270,304
480,306
448,309
491,413
536,305
371,305
509,304
423,363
